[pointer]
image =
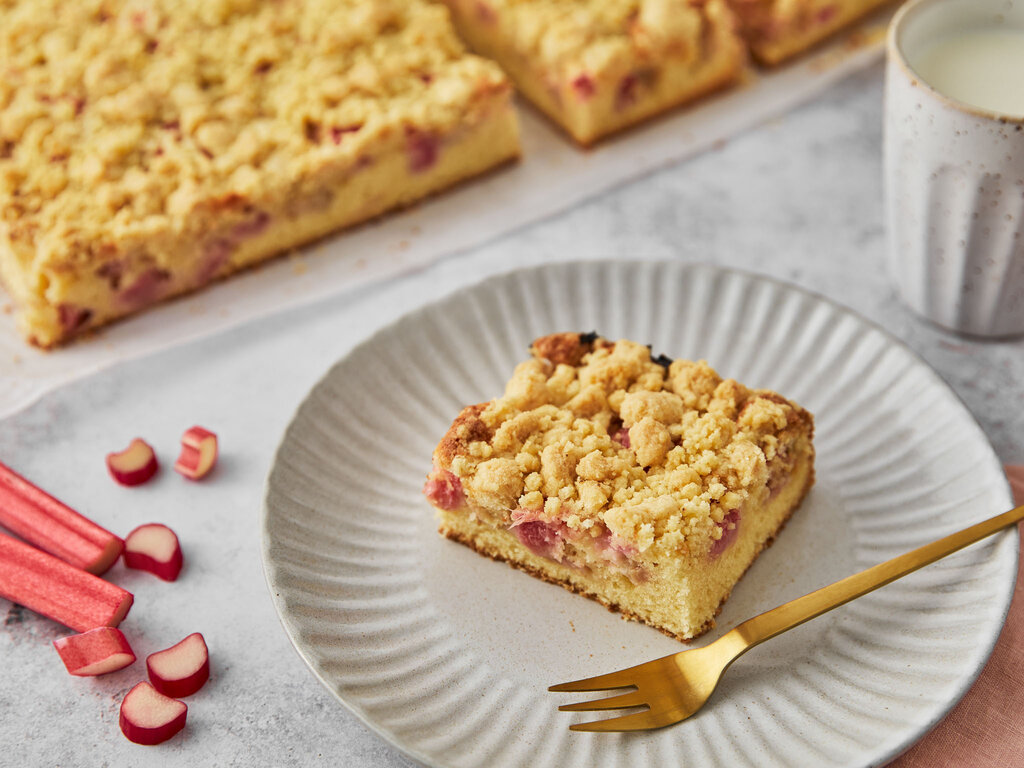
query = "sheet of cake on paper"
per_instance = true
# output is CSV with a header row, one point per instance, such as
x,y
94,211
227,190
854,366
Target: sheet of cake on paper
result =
x,y
552,175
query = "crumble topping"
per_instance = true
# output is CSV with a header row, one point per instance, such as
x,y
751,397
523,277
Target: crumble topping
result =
x,y
119,117
601,438
592,36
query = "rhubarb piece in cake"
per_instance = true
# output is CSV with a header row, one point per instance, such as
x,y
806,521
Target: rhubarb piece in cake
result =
x,y
777,30
596,66
648,484
147,149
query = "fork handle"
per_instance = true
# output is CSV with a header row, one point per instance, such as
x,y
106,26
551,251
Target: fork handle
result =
x,y
796,612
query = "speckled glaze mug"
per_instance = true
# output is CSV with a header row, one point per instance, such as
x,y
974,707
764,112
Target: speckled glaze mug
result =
x,y
954,182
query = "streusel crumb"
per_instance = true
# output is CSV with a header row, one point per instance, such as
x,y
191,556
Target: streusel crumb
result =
x,y
601,437
116,115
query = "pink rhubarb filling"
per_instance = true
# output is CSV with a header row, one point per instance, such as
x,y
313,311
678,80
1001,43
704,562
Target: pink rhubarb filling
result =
x,y
444,490
72,318
621,436
730,527
584,87
147,288
545,539
422,150
485,13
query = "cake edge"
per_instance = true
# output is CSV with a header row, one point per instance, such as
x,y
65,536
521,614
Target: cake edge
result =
x,y
615,607
25,304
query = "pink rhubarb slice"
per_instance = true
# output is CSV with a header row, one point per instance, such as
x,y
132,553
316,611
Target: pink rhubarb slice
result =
x,y
154,547
198,453
134,465
182,669
148,717
96,652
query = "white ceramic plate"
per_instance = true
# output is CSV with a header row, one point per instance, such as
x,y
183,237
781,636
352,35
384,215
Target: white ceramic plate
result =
x,y
447,655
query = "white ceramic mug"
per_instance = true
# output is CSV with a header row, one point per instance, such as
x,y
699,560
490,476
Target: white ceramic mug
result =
x,y
954,181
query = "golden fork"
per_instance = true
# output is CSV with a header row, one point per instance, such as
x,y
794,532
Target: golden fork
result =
x,y
674,687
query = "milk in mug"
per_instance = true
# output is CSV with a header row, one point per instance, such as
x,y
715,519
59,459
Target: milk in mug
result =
x,y
981,67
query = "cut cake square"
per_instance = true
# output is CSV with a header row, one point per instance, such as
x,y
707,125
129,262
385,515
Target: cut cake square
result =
x,y
597,66
777,30
649,485
148,148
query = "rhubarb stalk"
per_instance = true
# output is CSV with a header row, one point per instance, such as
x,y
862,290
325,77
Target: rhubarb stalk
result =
x,y
53,588
53,526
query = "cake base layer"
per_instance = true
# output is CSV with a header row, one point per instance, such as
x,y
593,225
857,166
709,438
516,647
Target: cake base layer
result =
x,y
705,585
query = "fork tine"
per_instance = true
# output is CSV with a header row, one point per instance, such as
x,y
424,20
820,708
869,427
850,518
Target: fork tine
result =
x,y
621,679
631,699
637,721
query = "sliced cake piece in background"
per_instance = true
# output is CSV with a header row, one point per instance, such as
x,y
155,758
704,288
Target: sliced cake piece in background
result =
x,y
597,66
777,30
648,484
148,149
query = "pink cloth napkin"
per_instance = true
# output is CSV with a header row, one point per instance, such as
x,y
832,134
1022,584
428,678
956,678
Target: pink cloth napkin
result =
x,y
986,729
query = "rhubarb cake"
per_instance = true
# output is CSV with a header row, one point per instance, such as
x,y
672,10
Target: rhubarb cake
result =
x,y
777,30
148,148
596,66
645,483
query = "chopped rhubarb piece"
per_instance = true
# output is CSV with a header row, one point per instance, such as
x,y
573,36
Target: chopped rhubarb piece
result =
x,y
198,453
134,465
182,669
826,14
730,526
53,588
216,254
546,539
584,86
444,489
53,526
147,288
148,717
626,94
154,547
252,227
96,652
612,549
423,149
72,318
485,12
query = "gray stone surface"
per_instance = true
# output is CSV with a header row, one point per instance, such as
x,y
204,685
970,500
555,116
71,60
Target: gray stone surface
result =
x,y
798,199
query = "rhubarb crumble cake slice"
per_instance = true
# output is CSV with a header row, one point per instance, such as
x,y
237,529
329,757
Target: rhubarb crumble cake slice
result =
x,y
148,148
648,484
596,66
777,30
